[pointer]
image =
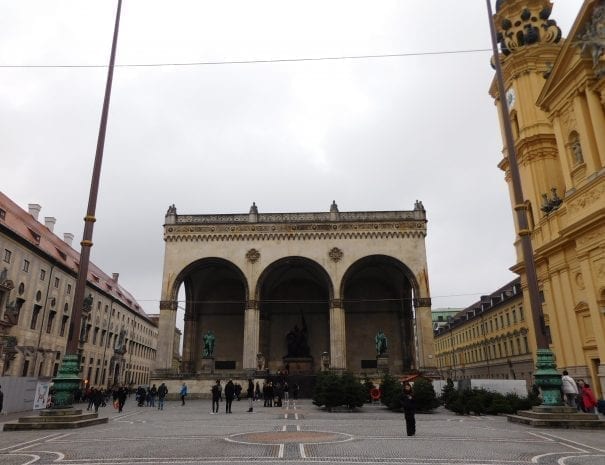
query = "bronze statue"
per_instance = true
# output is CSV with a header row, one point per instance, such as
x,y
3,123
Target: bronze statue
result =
x,y
209,339
296,340
381,343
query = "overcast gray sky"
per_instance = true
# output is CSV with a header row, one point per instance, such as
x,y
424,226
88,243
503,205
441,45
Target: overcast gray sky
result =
x,y
372,134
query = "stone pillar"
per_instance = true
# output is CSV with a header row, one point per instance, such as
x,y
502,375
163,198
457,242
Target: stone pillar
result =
x,y
192,355
338,341
167,326
424,333
251,335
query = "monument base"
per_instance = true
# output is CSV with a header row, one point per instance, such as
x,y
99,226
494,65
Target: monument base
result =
x,y
382,363
207,365
299,365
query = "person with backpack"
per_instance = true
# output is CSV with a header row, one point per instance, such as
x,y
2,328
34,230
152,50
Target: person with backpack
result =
x,y
183,393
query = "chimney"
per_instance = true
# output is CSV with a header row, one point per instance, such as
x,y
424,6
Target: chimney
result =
x,y
68,238
34,210
49,222
114,277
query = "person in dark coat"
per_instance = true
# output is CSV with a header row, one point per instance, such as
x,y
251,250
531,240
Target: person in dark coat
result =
x,y
250,394
216,395
229,395
409,409
122,394
162,391
97,398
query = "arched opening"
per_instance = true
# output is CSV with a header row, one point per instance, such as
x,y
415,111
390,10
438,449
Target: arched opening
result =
x,y
378,293
215,293
294,295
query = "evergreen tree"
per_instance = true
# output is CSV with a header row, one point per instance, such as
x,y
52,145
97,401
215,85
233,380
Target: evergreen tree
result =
x,y
391,392
424,395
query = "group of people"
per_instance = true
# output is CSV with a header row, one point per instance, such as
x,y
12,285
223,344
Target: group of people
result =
x,y
147,396
578,394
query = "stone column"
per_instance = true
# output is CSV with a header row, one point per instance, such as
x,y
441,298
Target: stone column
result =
x,y
191,359
424,333
167,326
338,341
251,334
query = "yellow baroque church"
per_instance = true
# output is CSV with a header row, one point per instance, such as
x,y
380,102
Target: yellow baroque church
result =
x,y
555,90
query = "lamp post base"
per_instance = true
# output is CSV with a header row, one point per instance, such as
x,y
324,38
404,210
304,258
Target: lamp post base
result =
x,y
66,382
547,378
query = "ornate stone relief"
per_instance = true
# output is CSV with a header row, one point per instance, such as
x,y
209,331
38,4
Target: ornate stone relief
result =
x,y
422,302
252,255
530,27
335,254
168,305
580,281
592,40
587,199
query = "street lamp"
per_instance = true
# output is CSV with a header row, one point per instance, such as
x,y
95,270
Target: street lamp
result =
x,y
68,378
546,376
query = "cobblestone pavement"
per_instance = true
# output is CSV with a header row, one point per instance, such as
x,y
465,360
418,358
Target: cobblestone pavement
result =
x,y
298,434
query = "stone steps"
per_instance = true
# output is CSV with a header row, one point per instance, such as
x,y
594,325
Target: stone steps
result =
x,y
56,419
557,417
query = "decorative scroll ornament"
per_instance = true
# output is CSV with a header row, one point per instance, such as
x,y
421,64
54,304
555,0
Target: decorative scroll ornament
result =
x,y
335,254
592,40
252,255
527,29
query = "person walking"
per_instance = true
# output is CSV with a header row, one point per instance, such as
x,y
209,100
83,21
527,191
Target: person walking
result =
x,y
153,392
216,396
229,395
162,391
588,401
122,394
286,391
183,393
250,393
409,409
569,388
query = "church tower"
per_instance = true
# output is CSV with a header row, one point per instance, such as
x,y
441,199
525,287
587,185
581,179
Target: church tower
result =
x,y
530,42
556,94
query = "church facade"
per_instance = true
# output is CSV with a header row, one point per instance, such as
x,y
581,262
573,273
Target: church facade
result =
x,y
296,292
555,89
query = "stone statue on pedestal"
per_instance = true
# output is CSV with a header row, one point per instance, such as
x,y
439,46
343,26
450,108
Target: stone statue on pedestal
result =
x,y
381,343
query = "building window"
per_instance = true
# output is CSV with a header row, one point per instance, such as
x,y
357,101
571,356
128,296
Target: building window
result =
x,y
35,313
521,317
103,337
525,345
2,214
507,319
69,289
42,275
7,255
63,325
514,316
25,368
56,282
26,266
94,336
49,323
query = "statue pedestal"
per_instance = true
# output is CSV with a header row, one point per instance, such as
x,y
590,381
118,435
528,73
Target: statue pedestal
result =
x,y
382,363
299,365
207,365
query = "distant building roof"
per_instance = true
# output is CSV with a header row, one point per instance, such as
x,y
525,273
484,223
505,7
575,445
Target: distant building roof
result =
x,y
38,236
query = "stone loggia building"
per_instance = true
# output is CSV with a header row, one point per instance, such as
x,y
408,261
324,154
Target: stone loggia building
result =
x,y
257,279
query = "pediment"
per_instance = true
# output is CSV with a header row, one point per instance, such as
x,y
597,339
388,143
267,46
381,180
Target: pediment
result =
x,y
574,63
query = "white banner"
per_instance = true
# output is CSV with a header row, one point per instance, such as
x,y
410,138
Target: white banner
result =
x,y
42,397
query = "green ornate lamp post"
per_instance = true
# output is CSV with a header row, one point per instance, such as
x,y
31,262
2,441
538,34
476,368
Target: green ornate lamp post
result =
x,y
68,377
546,376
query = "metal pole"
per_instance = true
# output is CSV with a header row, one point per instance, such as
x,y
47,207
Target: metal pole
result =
x,y
69,372
546,378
